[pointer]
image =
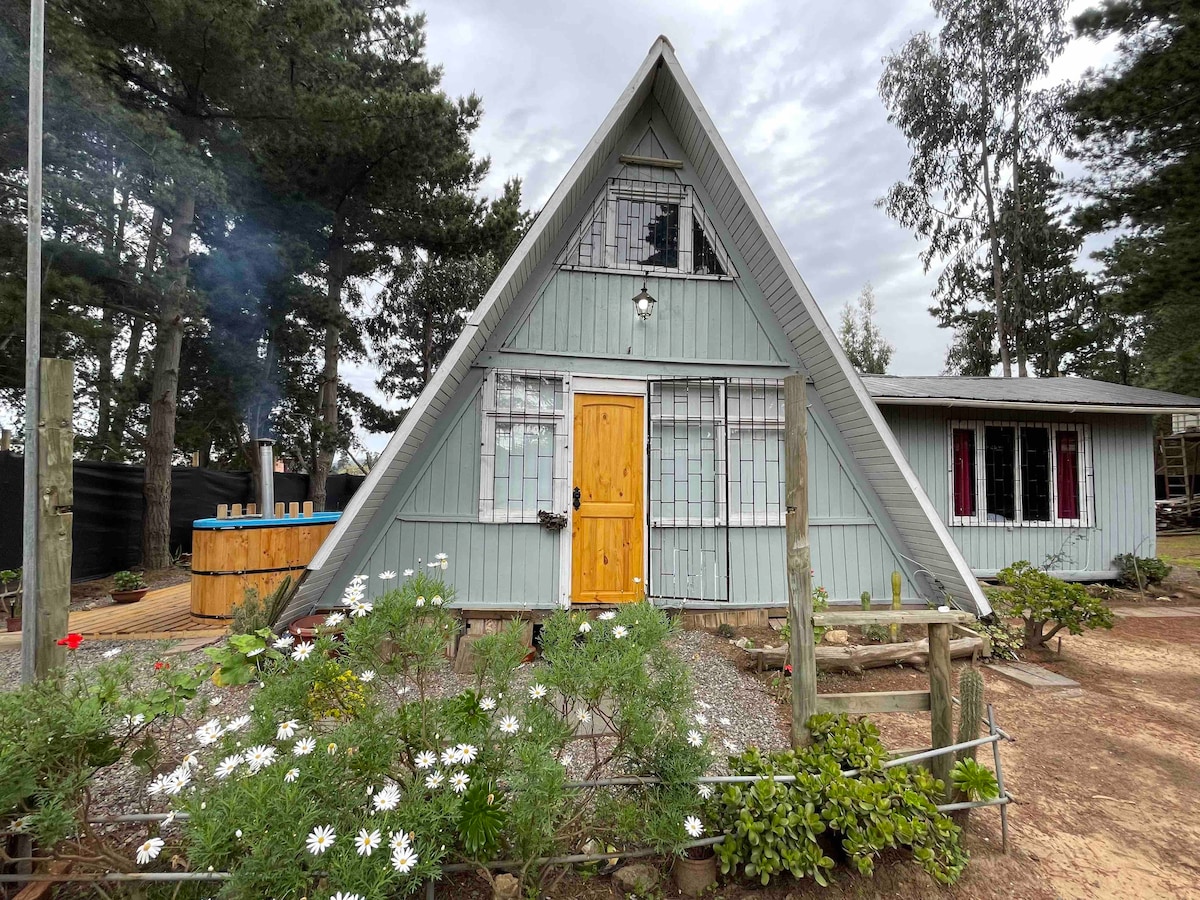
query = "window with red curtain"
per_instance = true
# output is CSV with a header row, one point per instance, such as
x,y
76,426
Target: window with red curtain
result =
x,y
1067,457
964,472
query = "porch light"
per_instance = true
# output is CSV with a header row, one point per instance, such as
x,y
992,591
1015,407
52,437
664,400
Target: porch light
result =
x,y
643,303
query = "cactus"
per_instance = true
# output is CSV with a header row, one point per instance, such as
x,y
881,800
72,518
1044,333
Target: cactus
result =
x,y
866,606
970,709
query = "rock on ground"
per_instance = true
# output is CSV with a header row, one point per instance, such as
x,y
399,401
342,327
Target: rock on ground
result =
x,y
637,878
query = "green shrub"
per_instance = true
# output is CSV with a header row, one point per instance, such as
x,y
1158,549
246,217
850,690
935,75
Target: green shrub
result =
x,y
726,630
255,613
973,780
1006,640
1044,602
1140,572
129,581
774,827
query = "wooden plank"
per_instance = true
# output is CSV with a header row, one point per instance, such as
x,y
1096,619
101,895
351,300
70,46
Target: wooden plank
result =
x,y
1033,676
222,511
279,507
941,728
293,510
841,618
55,498
874,702
799,559
307,509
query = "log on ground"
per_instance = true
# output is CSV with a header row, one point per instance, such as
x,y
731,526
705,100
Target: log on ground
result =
x,y
868,656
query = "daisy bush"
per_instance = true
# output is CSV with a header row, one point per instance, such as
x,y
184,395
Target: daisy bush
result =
x,y
356,775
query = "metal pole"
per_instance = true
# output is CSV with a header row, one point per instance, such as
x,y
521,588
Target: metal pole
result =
x,y
991,715
33,348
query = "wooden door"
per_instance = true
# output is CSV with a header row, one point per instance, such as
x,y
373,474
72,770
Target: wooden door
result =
x,y
607,519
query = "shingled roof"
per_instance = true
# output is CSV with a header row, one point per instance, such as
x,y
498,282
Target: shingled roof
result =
x,y
1063,394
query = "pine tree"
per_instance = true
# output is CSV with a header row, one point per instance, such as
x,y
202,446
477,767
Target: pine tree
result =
x,y
869,352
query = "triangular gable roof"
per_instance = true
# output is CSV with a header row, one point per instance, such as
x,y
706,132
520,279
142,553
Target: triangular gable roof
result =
x,y
862,425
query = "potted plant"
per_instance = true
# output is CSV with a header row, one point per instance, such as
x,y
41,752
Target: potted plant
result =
x,y
10,598
129,587
694,870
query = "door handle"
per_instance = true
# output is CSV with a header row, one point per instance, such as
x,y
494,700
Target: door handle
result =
x,y
575,495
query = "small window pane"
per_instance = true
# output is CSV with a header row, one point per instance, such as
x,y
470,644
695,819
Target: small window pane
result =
x,y
524,467
683,471
755,402
964,472
1035,474
1067,450
704,258
756,475
647,233
528,393
683,400
999,452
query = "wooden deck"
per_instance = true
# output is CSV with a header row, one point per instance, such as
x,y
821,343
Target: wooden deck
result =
x,y
165,613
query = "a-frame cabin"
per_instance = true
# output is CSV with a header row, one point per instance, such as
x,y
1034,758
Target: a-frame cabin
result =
x,y
582,443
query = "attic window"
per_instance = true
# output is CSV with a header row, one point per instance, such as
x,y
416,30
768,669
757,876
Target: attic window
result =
x,y
648,226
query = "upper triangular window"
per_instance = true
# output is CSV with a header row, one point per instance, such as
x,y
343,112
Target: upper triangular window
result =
x,y
647,226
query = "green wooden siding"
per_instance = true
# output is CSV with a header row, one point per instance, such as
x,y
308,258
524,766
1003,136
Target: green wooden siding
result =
x,y
1123,477
590,314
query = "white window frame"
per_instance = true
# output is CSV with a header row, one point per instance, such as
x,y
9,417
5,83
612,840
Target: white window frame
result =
x,y
488,511
1086,482
685,197
771,424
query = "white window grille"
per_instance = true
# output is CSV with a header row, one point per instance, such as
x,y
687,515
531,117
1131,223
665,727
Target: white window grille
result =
x,y
523,469
1021,474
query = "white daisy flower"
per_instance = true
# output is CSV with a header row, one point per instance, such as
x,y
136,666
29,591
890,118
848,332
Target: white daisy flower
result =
x,y
583,716
487,704
701,719
509,725
360,608
450,756
320,839
215,701
331,748
459,781
133,721
260,756
731,746
336,618
408,573
227,766
567,759
403,859
434,780
585,627
537,691
284,642
442,560
387,576
237,724
149,850
157,786
426,759
724,720
177,781
303,651
606,615
693,826
286,729
435,600
191,760
21,825
420,601
252,653
620,631
345,896
366,676
387,799
291,775
431,565
467,753
109,654
366,842
304,746
704,790
168,819
695,738
397,839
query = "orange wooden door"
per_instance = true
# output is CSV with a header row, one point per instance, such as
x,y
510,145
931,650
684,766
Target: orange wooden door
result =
x,y
607,522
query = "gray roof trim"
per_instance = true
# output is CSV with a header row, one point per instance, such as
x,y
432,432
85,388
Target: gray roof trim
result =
x,y
953,403
890,476
1069,393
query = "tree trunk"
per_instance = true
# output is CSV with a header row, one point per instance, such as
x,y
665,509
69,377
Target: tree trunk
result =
x,y
1033,634
127,391
427,345
1018,249
105,385
985,171
327,424
168,343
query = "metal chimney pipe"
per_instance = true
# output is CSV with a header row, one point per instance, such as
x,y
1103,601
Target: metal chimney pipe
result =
x,y
266,477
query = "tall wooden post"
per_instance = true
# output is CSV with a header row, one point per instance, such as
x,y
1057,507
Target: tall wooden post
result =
x,y
57,495
894,630
940,700
799,559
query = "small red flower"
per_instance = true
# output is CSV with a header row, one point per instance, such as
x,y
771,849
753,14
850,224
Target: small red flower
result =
x,y
787,670
160,665
71,641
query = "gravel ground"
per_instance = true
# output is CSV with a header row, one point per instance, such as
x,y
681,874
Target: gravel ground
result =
x,y
731,707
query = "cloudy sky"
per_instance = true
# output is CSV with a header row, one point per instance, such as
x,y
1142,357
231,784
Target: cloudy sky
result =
x,y
790,85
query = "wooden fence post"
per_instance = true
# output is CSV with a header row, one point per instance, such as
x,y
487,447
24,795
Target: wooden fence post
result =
x,y
57,495
941,713
799,559
894,630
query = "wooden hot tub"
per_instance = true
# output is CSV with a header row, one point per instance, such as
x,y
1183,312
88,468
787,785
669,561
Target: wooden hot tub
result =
x,y
231,555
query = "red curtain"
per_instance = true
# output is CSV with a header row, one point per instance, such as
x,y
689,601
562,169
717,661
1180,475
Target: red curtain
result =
x,y
1067,450
964,472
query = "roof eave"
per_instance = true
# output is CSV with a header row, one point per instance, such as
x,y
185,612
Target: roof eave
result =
x,y
956,402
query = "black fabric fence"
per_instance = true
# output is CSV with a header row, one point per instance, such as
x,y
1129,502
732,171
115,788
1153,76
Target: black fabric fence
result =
x,y
107,532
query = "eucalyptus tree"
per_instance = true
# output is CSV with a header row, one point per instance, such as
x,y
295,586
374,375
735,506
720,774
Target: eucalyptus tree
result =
x,y
966,99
